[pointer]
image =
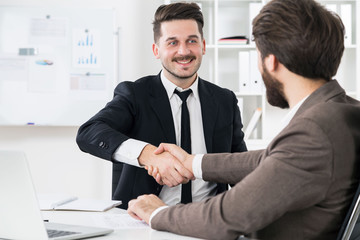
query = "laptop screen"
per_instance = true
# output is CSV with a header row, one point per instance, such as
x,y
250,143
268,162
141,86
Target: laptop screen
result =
x,y
20,216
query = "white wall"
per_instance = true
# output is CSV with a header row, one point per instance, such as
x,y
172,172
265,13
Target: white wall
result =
x,y
57,165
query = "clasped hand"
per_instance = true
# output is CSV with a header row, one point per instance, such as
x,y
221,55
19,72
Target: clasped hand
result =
x,y
168,164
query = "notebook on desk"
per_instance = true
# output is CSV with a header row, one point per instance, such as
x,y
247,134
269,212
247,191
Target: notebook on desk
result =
x,y
19,210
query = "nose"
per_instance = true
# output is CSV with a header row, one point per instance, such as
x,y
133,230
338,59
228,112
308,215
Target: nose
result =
x,y
183,49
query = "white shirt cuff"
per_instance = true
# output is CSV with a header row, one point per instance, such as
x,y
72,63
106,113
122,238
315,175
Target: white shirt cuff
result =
x,y
156,212
129,151
196,165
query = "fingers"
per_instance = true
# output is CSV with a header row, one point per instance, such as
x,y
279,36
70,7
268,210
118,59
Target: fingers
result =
x,y
130,211
160,149
174,150
171,177
149,169
167,165
156,175
183,171
158,179
142,207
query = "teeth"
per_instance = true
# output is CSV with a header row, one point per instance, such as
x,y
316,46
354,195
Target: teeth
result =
x,y
184,62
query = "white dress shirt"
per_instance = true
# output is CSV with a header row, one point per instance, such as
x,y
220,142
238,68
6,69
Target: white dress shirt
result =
x,y
129,151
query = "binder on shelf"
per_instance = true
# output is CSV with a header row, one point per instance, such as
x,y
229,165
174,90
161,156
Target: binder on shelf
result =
x,y
254,9
345,14
244,72
256,83
252,123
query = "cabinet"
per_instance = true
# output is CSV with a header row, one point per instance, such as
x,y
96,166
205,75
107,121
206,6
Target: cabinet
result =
x,y
223,63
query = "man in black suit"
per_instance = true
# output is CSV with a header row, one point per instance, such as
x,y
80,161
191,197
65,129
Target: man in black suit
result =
x,y
146,112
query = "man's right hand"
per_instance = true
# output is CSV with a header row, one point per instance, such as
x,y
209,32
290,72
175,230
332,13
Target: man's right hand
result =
x,y
177,152
172,170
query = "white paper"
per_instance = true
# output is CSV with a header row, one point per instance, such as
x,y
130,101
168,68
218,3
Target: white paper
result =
x,y
51,201
87,204
119,221
42,74
87,82
48,31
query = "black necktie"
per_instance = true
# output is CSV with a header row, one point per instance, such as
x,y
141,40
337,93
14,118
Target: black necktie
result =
x,y
185,141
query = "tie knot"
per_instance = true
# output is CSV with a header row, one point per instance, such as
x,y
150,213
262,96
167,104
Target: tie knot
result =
x,y
183,95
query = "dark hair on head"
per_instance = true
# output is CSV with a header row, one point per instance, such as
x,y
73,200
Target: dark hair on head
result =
x,y
305,37
177,11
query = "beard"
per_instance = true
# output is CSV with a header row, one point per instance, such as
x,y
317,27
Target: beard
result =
x,y
274,90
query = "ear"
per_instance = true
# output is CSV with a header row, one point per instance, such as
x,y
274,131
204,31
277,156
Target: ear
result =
x,y
271,63
155,49
204,47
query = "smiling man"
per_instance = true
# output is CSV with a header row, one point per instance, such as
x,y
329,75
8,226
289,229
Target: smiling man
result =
x,y
146,112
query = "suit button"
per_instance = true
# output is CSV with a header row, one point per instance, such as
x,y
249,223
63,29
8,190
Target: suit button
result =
x,y
101,144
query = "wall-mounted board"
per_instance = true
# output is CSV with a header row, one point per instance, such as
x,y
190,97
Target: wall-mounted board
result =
x,y
57,65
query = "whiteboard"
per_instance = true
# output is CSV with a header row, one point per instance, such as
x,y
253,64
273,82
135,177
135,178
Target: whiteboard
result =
x,y
57,66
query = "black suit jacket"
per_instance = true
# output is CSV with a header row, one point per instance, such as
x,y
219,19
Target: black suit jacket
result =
x,y
141,110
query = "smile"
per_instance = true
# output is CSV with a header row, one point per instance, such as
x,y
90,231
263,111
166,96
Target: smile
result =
x,y
185,61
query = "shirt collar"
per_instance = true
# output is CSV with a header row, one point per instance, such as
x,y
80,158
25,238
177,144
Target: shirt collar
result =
x,y
170,87
292,112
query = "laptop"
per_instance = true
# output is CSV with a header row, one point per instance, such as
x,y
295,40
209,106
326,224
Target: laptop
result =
x,y
20,216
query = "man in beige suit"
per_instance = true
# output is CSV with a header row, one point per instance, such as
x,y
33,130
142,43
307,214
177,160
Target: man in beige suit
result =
x,y
301,185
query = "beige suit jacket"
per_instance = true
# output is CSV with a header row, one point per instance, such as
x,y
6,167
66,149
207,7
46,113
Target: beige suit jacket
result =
x,y
300,187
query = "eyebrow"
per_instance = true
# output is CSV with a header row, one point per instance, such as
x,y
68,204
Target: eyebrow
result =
x,y
174,38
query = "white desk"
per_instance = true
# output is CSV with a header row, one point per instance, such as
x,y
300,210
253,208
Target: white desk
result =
x,y
90,219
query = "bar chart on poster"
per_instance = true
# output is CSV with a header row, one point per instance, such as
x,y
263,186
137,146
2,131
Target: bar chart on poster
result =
x,y
57,66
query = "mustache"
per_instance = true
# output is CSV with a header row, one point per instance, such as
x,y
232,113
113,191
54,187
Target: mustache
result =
x,y
184,58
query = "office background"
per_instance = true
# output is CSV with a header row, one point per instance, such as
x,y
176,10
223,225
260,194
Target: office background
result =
x,y
58,166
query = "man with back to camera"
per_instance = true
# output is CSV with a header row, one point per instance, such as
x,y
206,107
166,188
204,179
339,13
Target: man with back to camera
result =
x,y
146,112
302,184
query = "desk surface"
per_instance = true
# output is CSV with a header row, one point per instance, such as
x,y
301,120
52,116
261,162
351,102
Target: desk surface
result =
x,y
90,219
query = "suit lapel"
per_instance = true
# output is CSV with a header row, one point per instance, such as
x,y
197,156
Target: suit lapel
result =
x,y
161,106
209,111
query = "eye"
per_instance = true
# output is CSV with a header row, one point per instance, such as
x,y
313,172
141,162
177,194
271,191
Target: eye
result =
x,y
192,41
173,43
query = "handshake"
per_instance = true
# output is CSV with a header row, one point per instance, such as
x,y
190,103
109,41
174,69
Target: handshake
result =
x,y
168,164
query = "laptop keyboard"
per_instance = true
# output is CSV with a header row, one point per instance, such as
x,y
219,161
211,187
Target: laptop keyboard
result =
x,y
56,233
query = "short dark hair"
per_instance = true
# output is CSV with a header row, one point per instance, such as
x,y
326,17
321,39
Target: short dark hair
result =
x,y
177,11
305,37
